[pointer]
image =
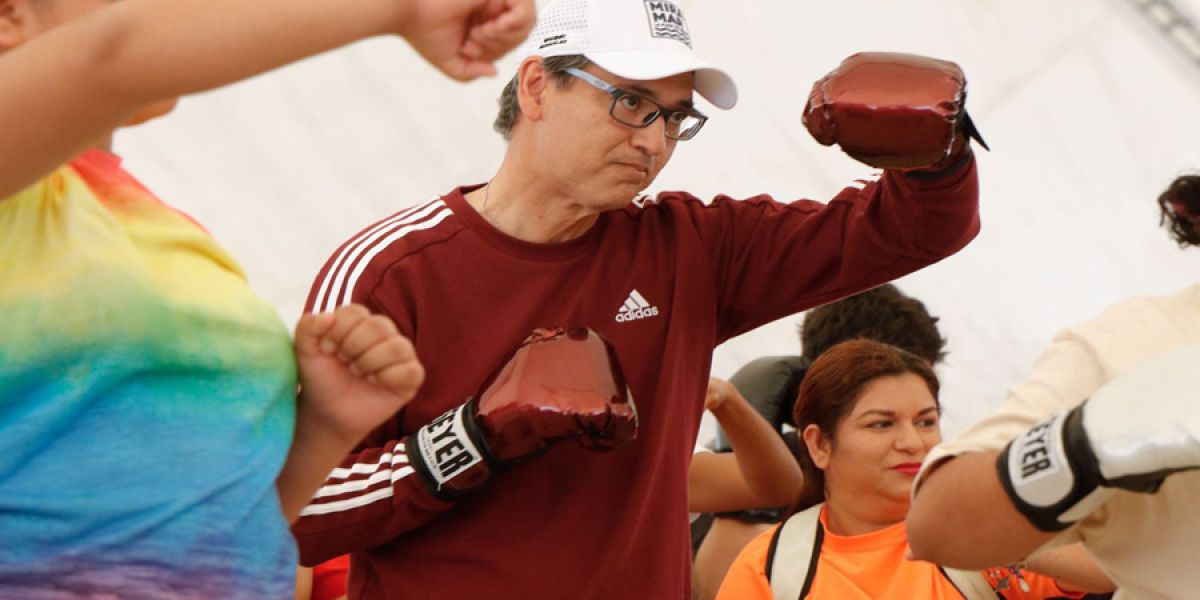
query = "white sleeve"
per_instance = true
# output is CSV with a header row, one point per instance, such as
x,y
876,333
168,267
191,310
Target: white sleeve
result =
x,y
1066,374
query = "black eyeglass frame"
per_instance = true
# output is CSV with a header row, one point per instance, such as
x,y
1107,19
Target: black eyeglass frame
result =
x,y
662,111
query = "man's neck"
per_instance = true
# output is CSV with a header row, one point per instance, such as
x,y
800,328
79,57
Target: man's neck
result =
x,y
524,206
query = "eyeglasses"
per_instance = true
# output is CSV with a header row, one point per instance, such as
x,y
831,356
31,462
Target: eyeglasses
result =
x,y
639,111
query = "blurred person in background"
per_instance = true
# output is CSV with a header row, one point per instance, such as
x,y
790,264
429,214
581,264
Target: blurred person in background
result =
x,y
770,384
868,414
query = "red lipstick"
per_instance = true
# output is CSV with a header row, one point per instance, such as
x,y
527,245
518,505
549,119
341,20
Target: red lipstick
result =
x,y
909,469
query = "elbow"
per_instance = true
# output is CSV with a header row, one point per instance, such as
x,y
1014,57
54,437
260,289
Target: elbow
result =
x,y
922,544
923,547
930,546
935,542
927,540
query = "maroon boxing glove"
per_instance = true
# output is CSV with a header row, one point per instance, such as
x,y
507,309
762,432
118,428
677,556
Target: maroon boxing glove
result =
x,y
893,111
560,383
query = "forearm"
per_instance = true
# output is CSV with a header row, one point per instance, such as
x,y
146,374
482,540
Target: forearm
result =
x,y
357,372
371,498
961,517
766,464
304,583
316,450
1072,567
63,90
941,212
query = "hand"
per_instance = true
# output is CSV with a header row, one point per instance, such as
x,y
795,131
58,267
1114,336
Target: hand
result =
x,y
559,384
356,370
464,38
718,392
1131,434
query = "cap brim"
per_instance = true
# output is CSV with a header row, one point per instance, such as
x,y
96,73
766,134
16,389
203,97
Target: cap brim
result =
x,y
714,84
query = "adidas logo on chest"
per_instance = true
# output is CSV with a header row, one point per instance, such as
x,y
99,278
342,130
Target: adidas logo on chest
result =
x,y
636,307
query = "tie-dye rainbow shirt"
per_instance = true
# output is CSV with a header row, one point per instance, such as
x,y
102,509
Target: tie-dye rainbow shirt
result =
x,y
146,401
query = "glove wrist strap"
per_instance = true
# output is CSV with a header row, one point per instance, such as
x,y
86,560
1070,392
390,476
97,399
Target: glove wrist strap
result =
x,y
449,455
1051,473
925,174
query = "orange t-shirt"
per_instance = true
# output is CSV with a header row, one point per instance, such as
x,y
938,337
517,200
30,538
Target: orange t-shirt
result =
x,y
871,567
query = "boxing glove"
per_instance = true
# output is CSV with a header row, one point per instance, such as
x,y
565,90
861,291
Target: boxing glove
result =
x,y
559,384
893,111
1131,434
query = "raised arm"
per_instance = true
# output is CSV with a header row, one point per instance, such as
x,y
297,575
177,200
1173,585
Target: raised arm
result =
x,y
900,113
960,515
963,494
1129,436
1072,567
559,384
71,87
760,472
373,496
355,371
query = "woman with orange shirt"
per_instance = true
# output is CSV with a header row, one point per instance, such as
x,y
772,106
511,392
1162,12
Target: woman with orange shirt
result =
x,y
868,414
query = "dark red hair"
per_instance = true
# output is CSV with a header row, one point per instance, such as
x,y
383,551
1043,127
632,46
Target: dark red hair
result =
x,y
1179,207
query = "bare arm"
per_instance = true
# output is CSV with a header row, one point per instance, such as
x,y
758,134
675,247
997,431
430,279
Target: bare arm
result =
x,y
304,582
72,86
760,472
964,494
961,516
1072,567
355,371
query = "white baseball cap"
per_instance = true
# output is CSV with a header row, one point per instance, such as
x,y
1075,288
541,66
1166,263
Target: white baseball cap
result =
x,y
634,39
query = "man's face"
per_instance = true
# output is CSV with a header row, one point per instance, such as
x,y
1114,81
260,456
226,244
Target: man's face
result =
x,y
603,163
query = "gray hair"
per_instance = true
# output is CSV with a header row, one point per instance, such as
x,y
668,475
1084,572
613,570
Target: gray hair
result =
x,y
510,107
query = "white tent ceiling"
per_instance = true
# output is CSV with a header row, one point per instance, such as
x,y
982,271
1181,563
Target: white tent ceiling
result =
x,y
1088,110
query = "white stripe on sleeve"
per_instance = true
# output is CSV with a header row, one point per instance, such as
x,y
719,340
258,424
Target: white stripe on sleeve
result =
x,y
325,300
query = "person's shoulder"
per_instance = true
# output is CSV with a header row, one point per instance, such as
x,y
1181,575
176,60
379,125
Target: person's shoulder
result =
x,y
1163,316
85,185
403,233
400,239
1187,298
684,202
1183,302
656,211
646,203
39,190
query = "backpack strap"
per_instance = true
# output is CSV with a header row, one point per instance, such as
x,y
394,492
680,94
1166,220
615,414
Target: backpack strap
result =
x,y
971,584
792,557
796,547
